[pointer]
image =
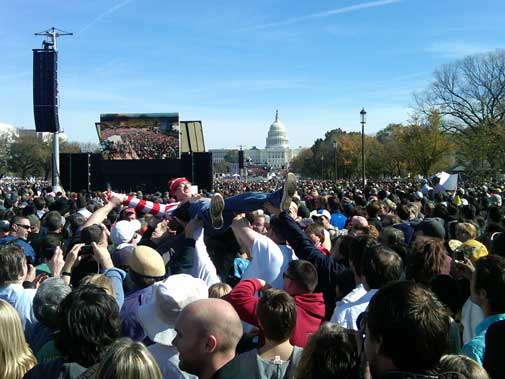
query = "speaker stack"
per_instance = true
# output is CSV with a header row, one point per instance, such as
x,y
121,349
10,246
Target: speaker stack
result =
x,y
45,90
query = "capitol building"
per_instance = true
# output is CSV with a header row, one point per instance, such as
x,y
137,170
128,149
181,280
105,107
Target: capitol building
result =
x,y
277,154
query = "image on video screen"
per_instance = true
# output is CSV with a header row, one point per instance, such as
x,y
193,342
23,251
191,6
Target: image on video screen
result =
x,y
139,136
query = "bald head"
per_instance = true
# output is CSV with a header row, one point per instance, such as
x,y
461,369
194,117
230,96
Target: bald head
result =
x,y
216,317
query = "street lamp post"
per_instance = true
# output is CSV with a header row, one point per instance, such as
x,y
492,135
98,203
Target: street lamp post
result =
x,y
363,121
335,148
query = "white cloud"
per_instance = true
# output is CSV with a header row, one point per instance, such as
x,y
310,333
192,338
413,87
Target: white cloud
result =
x,y
331,12
458,49
105,14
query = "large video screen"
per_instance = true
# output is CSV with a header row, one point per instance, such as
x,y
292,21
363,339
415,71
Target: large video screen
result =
x,y
139,135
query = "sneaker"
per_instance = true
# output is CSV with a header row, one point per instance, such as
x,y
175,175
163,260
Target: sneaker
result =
x,y
288,191
216,211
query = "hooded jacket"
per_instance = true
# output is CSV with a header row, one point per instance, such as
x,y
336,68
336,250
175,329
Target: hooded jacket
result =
x,y
309,307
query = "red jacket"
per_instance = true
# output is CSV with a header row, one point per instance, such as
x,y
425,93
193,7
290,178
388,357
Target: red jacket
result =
x,y
309,307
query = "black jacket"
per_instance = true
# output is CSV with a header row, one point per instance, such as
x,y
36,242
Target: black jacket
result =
x,y
327,267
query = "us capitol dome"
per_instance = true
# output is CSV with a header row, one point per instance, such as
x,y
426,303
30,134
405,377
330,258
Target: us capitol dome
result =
x,y
277,136
277,154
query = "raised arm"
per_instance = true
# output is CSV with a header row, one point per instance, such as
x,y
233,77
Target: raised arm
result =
x,y
302,245
100,214
327,267
243,299
184,259
243,232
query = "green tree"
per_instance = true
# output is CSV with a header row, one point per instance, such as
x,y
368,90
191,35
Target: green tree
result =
x,y
469,94
428,148
393,151
26,156
4,153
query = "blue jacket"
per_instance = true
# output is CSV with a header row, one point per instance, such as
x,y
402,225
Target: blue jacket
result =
x,y
338,220
476,346
27,248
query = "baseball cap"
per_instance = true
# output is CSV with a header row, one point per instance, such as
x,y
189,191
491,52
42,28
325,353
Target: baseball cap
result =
x,y
321,213
123,231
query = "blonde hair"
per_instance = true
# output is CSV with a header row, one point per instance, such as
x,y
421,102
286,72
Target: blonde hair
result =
x,y
465,227
16,358
462,365
373,232
100,280
127,359
219,290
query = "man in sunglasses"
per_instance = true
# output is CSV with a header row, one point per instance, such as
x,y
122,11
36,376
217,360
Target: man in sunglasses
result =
x,y
18,235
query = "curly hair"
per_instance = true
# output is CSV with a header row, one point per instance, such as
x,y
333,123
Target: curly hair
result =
x,y
88,323
329,353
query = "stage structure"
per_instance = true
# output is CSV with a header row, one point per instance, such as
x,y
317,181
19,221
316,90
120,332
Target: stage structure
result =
x,y
192,137
45,94
129,163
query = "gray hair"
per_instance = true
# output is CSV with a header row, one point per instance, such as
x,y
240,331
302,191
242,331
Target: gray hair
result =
x,y
47,300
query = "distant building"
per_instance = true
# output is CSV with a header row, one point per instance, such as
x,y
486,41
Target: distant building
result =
x,y
12,133
277,154
219,154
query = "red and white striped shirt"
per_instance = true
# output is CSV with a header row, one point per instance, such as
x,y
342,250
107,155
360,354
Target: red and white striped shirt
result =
x,y
156,209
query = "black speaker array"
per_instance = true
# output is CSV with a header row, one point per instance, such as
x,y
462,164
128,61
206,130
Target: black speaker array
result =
x,y
241,159
197,167
83,171
45,90
75,171
202,169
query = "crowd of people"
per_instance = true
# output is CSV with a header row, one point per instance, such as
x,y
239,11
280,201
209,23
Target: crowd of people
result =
x,y
140,144
281,278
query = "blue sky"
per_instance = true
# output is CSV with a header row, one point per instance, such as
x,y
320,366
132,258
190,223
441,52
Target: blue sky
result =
x,y
231,64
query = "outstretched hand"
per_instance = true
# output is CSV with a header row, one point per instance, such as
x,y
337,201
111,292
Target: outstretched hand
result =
x,y
114,198
56,262
72,256
102,255
30,273
463,269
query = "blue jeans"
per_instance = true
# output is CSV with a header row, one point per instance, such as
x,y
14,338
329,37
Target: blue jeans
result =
x,y
241,203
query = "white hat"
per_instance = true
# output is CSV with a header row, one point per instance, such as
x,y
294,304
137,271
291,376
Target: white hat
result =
x,y
123,231
321,213
170,296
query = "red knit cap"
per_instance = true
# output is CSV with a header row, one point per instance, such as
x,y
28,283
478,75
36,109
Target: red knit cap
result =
x,y
174,183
